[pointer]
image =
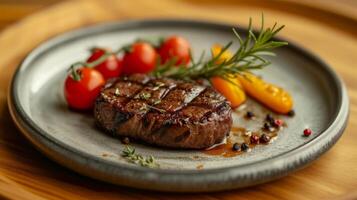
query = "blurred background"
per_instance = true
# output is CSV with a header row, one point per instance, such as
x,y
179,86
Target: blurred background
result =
x,y
13,10
327,28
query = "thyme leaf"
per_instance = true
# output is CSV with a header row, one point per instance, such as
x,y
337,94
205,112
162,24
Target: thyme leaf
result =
x,y
145,95
157,102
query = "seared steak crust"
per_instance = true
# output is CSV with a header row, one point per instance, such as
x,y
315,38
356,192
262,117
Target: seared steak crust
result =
x,y
163,111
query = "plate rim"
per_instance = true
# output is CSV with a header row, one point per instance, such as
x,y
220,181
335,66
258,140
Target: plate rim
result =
x,y
31,130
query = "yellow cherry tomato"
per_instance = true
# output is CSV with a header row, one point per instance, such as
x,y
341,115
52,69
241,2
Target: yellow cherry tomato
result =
x,y
231,89
272,96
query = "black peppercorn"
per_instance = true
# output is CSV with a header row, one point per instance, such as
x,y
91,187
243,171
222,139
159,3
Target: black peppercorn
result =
x,y
266,126
245,146
249,114
264,138
291,113
125,140
269,118
236,147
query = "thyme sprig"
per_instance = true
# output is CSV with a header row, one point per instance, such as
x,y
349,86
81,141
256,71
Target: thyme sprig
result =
x,y
133,157
249,56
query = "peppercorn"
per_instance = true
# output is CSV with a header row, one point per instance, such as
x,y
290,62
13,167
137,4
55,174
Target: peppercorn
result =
x,y
277,123
307,132
236,147
291,113
254,139
269,118
245,146
266,126
125,140
264,138
249,115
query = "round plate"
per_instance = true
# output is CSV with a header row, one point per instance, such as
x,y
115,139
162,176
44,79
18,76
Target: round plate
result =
x,y
38,107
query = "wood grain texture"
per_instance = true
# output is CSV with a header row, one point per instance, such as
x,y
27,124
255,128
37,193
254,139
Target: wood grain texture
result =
x,y
13,10
328,31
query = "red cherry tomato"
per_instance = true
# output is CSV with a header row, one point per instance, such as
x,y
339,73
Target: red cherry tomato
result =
x,y
109,68
175,47
140,59
81,93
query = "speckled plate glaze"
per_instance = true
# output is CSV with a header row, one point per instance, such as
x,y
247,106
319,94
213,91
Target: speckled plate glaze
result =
x,y
38,107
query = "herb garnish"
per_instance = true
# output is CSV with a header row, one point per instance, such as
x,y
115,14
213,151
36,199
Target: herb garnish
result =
x,y
249,56
145,96
143,108
146,107
155,108
157,102
117,92
131,156
158,85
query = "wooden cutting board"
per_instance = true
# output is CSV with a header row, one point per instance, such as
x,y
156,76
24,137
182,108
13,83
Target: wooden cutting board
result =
x,y
328,30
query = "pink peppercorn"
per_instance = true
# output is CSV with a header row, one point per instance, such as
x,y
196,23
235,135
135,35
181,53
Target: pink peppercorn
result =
x,y
254,139
307,132
278,122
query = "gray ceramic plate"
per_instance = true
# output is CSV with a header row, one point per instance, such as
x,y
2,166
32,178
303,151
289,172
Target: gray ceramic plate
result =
x,y
37,105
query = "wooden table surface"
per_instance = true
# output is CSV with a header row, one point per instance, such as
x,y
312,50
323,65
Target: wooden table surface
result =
x,y
328,28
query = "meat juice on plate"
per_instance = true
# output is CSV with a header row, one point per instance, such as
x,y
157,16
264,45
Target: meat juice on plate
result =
x,y
253,125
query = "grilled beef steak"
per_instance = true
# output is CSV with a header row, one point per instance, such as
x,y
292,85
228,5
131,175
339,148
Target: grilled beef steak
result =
x,y
163,111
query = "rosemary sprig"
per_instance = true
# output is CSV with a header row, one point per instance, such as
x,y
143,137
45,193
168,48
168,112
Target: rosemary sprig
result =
x,y
247,57
133,157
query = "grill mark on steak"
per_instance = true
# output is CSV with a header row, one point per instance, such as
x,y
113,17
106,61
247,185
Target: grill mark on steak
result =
x,y
126,87
152,92
175,99
179,97
191,111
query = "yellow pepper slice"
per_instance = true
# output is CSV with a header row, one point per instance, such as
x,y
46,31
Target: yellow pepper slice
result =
x,y
231,89
272,96
233,93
